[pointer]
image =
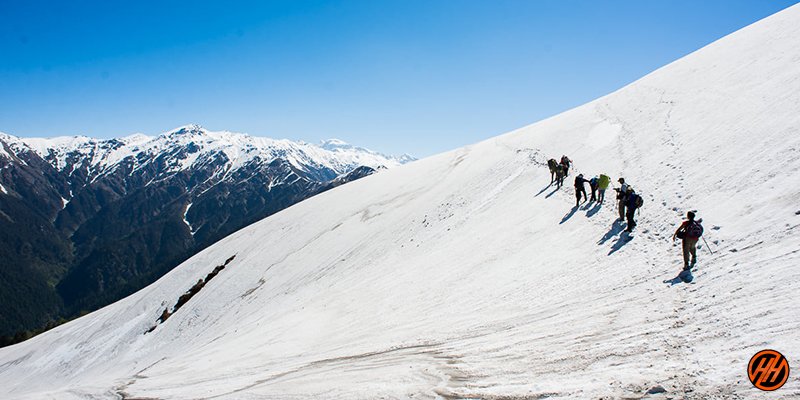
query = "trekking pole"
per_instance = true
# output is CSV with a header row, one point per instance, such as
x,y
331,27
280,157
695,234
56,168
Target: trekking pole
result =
x,y
709,247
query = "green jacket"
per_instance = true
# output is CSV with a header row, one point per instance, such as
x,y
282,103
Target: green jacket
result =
x,y
603,182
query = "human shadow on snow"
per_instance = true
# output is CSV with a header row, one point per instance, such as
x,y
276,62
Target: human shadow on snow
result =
x,y
543,189
552,193
569,215
594,210
683,277
622,240
616,228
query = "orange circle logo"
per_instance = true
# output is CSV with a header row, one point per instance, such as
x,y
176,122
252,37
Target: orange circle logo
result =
x,y
768,370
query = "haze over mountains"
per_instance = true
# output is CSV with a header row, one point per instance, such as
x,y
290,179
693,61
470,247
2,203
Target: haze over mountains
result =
x,y
466,275
87,221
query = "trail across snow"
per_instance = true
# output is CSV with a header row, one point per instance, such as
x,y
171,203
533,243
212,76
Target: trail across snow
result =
x,y
465,275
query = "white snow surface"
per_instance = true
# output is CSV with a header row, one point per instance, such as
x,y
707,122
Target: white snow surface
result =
x,y
464,275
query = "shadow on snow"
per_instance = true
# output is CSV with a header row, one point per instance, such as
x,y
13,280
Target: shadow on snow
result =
x,y
543,189
684,277
569,215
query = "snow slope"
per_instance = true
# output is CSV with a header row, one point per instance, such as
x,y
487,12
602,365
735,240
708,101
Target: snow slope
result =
x,y
466,275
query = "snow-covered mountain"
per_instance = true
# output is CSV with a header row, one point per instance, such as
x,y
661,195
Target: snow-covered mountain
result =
x,y
89,221
466,275
191,146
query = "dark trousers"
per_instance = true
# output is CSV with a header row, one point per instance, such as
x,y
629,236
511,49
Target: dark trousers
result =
x,y
630,214
601,195
594,192
578,192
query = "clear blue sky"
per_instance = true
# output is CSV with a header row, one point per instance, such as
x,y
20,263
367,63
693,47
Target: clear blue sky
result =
x,y
397,76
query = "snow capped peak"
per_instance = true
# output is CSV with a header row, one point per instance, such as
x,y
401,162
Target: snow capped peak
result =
x,y
342,147
188,128
6,139
136,138
185,130
405,158
192,143
335,144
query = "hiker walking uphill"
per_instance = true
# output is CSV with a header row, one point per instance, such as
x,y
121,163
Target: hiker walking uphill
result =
x,y
579,189
602,185
690,232
559,176
552,164
593,186
567,164
632,202
622,192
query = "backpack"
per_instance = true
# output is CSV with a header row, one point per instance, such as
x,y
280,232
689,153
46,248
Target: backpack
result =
x,y
603,181
694,229
638,201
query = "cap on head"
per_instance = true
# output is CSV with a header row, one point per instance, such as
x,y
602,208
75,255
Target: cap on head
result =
x,y
621,180
690,215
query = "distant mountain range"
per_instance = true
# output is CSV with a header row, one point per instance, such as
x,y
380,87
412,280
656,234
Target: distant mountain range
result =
x,y
85,222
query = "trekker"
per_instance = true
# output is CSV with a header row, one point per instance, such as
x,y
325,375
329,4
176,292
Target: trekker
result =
x,y
622,192
602,185
593,186
690,232
579,181
632,202
559,176
552,164
567,163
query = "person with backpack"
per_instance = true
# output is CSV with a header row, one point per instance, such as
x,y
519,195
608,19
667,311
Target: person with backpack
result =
x,y
622,193
567,163
593,186
632,202
579,188
559,176
552,164
602,185
690,232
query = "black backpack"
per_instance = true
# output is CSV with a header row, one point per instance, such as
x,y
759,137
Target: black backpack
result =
x,y
694,229
639,201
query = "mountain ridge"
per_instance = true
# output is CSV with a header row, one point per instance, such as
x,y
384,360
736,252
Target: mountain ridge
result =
x,y
120,212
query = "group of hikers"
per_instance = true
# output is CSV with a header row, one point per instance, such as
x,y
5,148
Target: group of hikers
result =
x,y
559,170
628,201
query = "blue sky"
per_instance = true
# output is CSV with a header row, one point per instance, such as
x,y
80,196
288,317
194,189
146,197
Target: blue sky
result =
x,y
408,76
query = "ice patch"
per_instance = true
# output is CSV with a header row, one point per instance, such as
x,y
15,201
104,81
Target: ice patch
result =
x,y
185,221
